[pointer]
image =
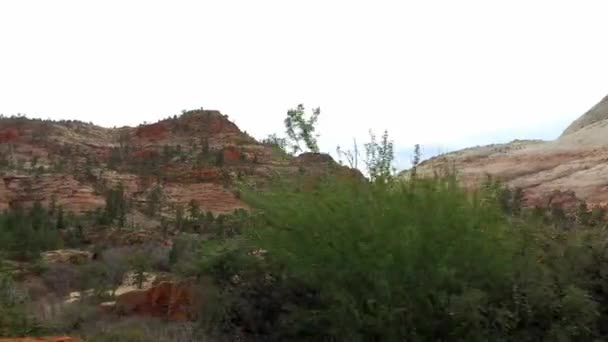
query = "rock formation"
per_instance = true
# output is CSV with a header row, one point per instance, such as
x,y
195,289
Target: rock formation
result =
x,y
174,301
576,162
198,157
67,256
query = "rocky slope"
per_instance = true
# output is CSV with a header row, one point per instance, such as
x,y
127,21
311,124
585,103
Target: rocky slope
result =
x,y
199,157
157,174
576,162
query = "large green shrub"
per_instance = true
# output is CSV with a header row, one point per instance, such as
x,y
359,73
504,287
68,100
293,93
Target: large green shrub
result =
x,y
417,261
14,320
391,262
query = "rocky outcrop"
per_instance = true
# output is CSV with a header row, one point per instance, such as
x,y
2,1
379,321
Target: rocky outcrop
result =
x,y
210,196
596,114
67,256
565,200
174,301
199,156
577,162
24,190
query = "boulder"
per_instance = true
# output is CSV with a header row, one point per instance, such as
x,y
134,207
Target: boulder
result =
x,y
174,301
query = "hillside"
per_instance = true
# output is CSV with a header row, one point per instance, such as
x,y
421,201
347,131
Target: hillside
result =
x,y
110,221
596,114
198,157
576,163
141,234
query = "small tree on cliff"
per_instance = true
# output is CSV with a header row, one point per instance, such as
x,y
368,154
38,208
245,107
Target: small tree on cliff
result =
x,y
301,130
139,264
351,156
275,141
116,205
379,158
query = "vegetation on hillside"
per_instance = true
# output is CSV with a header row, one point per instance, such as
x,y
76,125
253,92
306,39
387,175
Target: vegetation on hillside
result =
x,y
344,259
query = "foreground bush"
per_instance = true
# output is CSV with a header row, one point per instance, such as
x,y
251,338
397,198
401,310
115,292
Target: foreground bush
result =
x,y
138,329
14,320
418,261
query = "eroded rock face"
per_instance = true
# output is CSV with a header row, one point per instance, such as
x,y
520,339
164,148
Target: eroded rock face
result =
x,y
198,156
597,113
67,256
174,301
577,162
210,196
24,190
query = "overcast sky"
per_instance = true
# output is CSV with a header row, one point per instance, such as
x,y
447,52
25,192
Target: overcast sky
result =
x,y
445,74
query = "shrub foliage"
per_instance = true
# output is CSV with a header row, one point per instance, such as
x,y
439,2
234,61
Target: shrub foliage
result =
x,y
415,261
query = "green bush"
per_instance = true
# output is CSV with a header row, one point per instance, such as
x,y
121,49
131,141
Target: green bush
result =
x,y
14,320
416,261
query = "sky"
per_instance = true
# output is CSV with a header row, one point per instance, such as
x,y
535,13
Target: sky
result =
x,y
444,74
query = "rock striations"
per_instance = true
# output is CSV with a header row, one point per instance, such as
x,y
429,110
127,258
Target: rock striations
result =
x,y
577,162
199,156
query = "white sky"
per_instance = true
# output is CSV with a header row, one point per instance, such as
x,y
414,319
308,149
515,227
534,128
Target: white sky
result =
x,y
445,74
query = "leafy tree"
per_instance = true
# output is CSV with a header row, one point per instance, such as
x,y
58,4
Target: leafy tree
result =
x,y
301,130
116,205
351,156
379,158
139,264
416,160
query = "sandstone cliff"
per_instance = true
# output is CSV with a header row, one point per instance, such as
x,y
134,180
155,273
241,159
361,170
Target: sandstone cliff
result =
x,y
198,156
577,161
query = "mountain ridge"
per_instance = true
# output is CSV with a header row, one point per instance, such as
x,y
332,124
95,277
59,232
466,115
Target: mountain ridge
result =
x,y
199,156
596,114
574,163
